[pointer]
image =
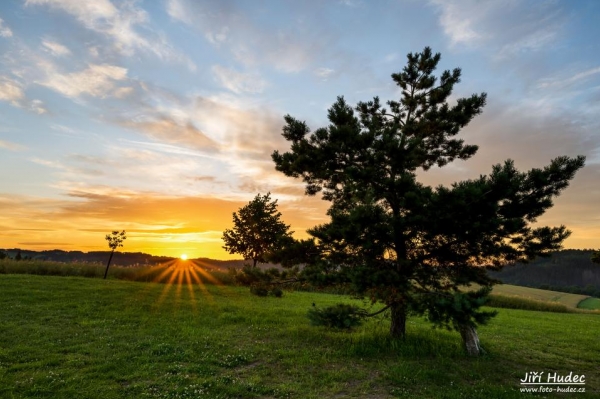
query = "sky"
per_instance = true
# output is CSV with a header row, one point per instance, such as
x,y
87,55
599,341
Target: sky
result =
x,y
159,117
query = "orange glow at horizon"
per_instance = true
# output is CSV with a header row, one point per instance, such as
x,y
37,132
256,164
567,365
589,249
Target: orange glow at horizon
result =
x,y
172,226
160,226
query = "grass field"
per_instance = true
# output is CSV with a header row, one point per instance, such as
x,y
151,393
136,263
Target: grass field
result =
x,y
71,337
590,303
569,300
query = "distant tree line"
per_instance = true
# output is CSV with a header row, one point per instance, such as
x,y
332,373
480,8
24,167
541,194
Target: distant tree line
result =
x,y
569,270
120,258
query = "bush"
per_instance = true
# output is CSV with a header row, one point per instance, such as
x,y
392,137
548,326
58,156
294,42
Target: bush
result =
x,y
261,282
340,316
259,290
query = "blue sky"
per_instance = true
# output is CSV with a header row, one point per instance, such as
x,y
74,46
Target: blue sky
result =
x,y
159,117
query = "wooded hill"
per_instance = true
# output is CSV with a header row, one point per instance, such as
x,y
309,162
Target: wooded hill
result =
x,y
569,270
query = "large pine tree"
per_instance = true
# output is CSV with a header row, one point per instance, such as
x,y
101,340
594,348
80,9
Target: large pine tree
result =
x,y
404,244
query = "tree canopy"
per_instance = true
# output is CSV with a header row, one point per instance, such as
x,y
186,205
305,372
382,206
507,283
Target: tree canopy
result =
x,y
397,241
257,230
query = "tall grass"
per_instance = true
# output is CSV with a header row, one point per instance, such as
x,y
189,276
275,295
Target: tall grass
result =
x,y
158,273
515,302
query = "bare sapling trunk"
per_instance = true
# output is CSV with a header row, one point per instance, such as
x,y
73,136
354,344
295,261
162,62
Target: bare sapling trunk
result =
x,y
470,339
398,327
108,264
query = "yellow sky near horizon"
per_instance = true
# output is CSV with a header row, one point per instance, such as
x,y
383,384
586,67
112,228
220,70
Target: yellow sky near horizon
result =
x,y
164,226
171,226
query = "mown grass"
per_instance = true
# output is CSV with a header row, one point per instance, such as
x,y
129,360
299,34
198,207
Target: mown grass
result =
x,y
590,303
71,337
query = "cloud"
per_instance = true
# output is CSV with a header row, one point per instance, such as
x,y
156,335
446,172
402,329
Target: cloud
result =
x,y
119,24
5,30
12,92
7,145
239,82
324,73
45,244
55,48
289,50
504,28
168,130
37,106
458,19
95,80
218,37
561,82
351,3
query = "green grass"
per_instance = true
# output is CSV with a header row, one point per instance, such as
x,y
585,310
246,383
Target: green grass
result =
x,y
590,303
70,337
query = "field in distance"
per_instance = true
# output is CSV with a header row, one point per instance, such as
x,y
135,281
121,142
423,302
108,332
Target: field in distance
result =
x,y
90,338
569,300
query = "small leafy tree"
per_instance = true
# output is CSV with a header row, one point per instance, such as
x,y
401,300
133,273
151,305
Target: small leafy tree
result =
x,y
596,257
257,230
398,242
2,255
115,240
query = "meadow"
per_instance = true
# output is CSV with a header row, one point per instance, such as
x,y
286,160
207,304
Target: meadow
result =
x,y
73,337
564,298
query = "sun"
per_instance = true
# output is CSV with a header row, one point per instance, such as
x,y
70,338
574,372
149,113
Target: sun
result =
x,y
183,257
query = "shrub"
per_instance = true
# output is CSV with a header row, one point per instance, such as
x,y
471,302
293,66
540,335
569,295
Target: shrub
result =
x,y
340,316
259,290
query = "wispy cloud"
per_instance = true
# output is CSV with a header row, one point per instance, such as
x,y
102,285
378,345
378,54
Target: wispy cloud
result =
x,y
458,20
560,82
166,129
239,82
324,73
504,28
55,48
5,30
12,92
120,24
288,50
95,80
7,145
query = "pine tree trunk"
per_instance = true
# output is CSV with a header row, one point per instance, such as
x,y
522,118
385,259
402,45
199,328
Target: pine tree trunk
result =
x,y
254,265
108,264
470,340
398,327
